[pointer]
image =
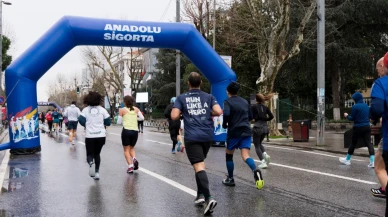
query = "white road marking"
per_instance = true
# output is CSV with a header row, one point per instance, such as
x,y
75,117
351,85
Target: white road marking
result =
x,y
301,169
162,143
310,152
170,182
322,173
3,168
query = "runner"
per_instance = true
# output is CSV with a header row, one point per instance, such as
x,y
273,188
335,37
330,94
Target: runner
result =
x,y
199,130
60,120
261,115
379,162
173,125
379,109
180,144
361,129
140,121
72,112
49,119
237,116
128,117
43,117
94,118
55,115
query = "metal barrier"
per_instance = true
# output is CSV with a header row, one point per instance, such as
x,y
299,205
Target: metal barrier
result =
x,y
160,124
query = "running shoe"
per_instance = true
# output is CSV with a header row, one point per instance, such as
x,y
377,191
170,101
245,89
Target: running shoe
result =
x,y
135,164
97,176
199,200
344,161
228,181
173,151
210,205
371,165
178,149
130,170
92,169
263,165
267,158
378,192
258,179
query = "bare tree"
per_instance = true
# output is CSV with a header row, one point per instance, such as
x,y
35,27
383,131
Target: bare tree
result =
x,y
198,12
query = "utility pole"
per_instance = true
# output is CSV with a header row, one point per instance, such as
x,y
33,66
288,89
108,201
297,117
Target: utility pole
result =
x,y
321,73
214,24
178,57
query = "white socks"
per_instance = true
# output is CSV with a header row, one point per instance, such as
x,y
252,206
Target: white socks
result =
x,y
130,165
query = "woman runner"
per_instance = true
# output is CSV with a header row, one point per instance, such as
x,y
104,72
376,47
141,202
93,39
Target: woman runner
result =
x,y
94,118
128,117
261,114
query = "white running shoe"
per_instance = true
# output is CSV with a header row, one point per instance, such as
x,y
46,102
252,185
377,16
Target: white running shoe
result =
x,y
263,165
92,169
344,161
371,165
97,176
267,158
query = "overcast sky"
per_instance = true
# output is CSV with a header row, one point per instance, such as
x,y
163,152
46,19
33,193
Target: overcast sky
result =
x,y
26,20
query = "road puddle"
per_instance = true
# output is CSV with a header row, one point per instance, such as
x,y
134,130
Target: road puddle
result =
x,y
12,183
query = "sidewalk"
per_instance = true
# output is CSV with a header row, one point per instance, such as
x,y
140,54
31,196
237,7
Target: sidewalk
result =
x,y
334,143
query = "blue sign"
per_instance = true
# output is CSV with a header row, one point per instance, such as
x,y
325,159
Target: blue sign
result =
x,y
2,100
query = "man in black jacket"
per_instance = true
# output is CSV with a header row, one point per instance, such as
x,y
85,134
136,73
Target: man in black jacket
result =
x,y
173,125
237,116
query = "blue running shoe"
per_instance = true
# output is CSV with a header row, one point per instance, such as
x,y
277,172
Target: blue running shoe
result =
x,y
178,149
173,151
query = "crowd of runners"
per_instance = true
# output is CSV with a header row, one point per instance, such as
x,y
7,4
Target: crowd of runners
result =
x,y
191,114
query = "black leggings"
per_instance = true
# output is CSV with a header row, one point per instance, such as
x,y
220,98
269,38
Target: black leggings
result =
x,y
364,134
258,138
60,123
140,125
174,132
50,125
93,150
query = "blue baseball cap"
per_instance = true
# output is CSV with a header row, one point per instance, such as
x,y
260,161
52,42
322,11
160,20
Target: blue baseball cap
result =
x,y
172,100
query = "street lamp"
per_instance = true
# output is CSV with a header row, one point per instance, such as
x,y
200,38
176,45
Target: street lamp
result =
x,y
1,34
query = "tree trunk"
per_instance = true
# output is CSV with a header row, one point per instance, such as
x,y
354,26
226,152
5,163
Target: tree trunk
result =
x,y
336,88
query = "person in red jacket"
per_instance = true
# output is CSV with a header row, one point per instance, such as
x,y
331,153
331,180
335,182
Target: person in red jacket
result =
x,y
49,119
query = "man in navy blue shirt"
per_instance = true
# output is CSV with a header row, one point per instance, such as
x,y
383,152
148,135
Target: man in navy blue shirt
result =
x,y
361,128
237,116
197,108
379,108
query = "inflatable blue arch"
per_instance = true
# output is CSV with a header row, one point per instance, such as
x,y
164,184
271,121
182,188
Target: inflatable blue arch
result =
x,y
22,75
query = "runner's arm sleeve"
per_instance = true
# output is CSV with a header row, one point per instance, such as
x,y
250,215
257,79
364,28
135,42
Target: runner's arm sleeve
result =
x,y
167,112
353,114
377,104
270,115
107,120
82,119
177,109
140,115
254,112
216,109
226,115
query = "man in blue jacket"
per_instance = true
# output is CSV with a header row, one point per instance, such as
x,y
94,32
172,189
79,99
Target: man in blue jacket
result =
x,y
379,108
361,128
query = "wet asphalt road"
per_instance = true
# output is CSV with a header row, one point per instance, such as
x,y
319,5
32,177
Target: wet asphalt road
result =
x,y
297,183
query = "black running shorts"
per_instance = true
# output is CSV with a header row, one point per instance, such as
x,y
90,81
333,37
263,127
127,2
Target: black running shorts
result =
x,y
197,151
129,137
72,125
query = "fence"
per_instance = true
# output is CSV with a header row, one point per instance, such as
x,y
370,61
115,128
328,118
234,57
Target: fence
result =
x,y
160,124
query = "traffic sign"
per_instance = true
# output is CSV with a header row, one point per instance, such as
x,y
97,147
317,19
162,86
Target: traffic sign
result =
x,y
2,100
